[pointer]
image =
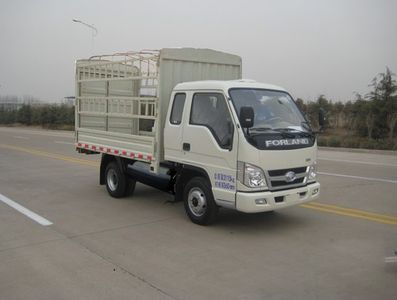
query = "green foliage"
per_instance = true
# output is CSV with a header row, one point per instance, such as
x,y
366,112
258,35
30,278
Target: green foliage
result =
x,y
356,142
373,116
334,142
24,115
351,142
48,115
8,117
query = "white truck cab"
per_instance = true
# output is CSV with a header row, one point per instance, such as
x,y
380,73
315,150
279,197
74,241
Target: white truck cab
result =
x,y
266,166
204,135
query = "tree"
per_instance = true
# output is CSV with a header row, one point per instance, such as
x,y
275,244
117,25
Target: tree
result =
x,y
24,115
299,102
384,86
391,119
369,119
324,106
385,108
359,111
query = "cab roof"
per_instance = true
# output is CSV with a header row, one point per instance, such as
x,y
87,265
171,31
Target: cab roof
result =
x,y
225,85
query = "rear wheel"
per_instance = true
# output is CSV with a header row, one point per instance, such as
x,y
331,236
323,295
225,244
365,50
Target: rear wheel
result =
x,y
117,183
199,202
130,187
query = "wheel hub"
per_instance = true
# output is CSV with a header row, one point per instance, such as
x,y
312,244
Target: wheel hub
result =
x,y
112,180
197,202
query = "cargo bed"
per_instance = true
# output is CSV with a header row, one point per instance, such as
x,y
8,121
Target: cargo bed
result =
x,y
122,99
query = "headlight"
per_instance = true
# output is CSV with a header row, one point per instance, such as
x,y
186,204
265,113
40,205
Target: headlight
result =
x,y
313,172
250,175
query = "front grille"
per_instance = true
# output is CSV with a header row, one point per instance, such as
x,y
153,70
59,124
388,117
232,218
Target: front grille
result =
x,y
277,179
282,172
277,183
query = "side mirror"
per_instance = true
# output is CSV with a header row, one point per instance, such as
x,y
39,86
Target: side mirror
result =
x,y
247,116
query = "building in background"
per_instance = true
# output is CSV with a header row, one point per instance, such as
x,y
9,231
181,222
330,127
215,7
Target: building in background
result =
x,y
69,100
9,103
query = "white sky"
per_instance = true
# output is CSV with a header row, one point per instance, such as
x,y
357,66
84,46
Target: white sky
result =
x,y
309,47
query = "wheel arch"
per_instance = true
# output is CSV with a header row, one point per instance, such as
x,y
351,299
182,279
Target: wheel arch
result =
x,y
186,173
105,160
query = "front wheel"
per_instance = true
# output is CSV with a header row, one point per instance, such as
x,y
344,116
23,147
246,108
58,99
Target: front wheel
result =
x,y
199,202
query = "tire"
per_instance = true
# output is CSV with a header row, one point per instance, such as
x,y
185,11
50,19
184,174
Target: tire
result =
x,y
199,201
130,187
117,184
266,213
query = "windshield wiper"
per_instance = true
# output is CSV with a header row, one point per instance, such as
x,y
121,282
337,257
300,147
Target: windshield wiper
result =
x,y
304,133
283,133
257,130
261,128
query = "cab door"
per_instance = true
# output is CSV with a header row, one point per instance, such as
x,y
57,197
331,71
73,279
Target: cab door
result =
x,y
174,128
210,141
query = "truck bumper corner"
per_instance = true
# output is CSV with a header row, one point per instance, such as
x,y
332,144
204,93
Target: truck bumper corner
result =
x,y
268,201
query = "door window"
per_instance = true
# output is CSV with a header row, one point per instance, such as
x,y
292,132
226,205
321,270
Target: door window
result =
x,y
177,109
210,110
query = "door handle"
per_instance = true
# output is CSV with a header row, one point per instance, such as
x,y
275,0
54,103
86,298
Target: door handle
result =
x,y
186,147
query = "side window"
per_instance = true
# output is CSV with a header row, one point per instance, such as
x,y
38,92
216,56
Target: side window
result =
x,y
210,110
177,109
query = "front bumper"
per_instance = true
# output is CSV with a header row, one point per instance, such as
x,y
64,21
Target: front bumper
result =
x,y
250,202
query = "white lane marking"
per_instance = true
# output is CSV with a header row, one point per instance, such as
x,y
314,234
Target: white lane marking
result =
x,y
23,210
391,259
61,142
21,137
359,162
358,177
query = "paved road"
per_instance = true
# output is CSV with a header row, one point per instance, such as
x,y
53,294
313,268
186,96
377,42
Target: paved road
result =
x,y
143,247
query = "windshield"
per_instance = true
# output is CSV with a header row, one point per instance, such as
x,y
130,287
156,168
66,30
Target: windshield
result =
x,y
274,110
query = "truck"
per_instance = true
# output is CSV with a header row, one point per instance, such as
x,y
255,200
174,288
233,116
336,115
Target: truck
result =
x,y
183,121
